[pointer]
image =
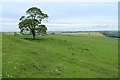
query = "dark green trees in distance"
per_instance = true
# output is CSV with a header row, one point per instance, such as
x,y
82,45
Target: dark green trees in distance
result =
x,y
32,21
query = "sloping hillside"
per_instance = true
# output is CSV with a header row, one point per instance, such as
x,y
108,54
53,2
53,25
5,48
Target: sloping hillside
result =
x,y
59,56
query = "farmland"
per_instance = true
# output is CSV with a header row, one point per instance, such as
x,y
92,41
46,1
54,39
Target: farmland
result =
x,y
67,55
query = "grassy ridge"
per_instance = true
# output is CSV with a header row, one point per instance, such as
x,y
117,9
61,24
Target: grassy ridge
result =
x,y
60,56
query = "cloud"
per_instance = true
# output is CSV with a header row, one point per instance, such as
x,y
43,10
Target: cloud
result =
x,y
8,23
64,16
7,19
66,27
55,24
81,27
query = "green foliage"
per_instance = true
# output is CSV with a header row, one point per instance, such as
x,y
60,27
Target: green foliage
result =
x,y
59,56
32,22
27,24
115,34
41,29
52,33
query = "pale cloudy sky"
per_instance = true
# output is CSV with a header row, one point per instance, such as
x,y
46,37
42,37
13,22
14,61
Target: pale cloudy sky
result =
x,y
64,15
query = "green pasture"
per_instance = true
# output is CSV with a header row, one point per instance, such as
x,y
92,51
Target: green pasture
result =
x,y
59,56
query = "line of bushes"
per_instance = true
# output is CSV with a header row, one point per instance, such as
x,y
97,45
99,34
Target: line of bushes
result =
x,y
115,34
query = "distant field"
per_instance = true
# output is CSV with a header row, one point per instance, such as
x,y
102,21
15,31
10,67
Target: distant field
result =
x,y
60,56
85,33
67,33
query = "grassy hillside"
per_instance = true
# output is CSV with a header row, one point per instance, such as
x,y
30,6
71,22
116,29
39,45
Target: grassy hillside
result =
x,y
0,55
60,56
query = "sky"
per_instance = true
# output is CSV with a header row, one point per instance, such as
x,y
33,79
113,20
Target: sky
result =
x,y
64,15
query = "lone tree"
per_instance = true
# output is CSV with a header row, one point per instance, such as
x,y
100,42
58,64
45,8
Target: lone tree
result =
x,y
32,21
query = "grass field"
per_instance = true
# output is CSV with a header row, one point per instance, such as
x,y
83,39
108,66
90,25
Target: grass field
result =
x,y
60,56
0,56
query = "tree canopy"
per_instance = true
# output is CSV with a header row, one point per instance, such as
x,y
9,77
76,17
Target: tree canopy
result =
x,y
32,21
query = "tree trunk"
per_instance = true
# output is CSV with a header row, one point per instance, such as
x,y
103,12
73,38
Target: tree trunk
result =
x,y
33,33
